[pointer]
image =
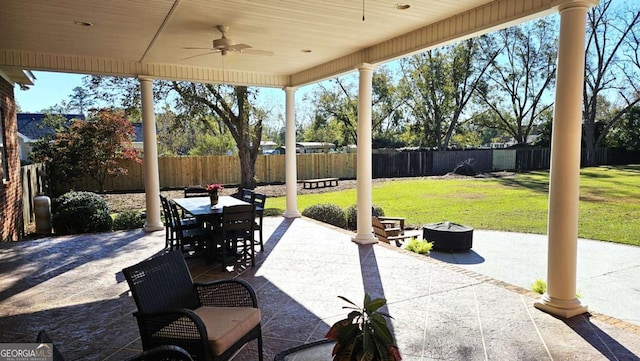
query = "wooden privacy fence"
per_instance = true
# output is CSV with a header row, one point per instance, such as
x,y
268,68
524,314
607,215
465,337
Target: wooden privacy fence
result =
x,y
177,172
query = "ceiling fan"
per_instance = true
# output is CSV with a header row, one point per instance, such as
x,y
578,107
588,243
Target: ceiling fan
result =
x,y
225,46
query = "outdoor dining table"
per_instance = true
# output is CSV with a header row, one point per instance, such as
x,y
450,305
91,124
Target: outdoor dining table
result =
x,y
201,209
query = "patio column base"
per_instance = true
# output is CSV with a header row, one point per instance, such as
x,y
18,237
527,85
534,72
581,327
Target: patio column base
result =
x,y
364,239
291,214
560,308
153,227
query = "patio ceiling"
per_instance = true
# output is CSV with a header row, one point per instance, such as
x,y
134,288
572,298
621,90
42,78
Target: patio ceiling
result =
x,y
311,40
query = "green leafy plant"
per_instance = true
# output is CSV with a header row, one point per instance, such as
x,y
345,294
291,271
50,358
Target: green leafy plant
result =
x,y
327,213
128,219
80,212
364,335
539,286
420,246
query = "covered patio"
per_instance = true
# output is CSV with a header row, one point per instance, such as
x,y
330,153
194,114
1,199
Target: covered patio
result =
x,y
72,286
291,44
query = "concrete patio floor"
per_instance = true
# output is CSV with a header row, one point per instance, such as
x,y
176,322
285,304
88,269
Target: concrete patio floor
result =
x,y
72,287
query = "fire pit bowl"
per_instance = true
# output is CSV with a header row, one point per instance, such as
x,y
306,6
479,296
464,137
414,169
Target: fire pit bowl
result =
x,y
448,236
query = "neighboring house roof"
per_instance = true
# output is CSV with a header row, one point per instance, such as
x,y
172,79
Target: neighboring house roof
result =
x,y
268,143
315,144
31,125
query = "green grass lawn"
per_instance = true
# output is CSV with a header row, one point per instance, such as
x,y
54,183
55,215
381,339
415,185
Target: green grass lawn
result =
x,y
609,202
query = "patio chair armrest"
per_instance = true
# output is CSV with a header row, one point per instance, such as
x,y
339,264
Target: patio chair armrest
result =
x,y
180,327
392,220
226,293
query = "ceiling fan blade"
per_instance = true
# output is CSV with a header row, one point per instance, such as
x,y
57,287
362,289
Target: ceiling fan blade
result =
x,y
239,47
203,54
257,52
194,48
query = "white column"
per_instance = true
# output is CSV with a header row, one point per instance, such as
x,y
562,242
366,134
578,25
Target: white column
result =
x,y
364,173
564,183
291,176
150,158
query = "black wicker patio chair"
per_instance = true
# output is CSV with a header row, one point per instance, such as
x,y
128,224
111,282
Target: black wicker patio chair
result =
x,y
212,321
163,353
43,337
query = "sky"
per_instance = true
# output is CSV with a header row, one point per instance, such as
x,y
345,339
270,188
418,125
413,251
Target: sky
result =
x,y
52,88
49,89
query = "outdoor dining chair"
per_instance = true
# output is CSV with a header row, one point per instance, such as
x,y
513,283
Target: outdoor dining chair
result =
x,y
195,191
259,201
190,235
247,195
211,321
238,223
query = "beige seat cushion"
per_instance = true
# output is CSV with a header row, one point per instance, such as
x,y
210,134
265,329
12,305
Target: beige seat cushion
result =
x,y
226,325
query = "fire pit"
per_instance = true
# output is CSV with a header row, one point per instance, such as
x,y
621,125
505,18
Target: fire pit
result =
x,y
448,236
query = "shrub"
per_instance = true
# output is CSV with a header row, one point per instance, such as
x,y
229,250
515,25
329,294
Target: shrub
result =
x,y
80,212
352,215
272,212
327,213
539,286
128,219
419,246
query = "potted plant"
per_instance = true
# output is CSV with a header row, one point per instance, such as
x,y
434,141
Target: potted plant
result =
x,y
213,190
364,335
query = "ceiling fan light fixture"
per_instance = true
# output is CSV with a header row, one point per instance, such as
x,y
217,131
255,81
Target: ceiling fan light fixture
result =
x,y
402,6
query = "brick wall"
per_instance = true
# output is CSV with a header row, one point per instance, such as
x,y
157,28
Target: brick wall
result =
x,y
11,222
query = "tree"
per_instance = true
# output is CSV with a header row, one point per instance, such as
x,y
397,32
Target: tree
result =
x,y
612,69
61,108
337,102
218,108
91,147
518,81
337,105
438,86
322,129
231,106
80,100
124,93
55,150
626,133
